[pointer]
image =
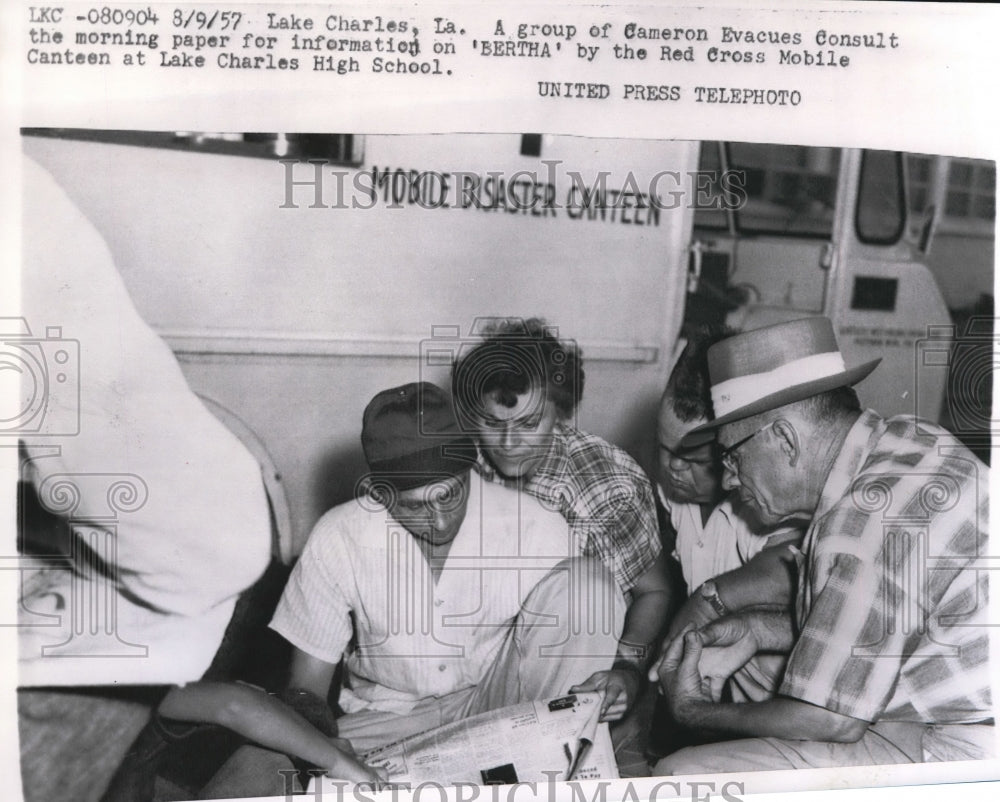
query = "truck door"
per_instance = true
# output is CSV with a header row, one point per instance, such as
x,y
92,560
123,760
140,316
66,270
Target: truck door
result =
x,y
774,246
882,298
820,231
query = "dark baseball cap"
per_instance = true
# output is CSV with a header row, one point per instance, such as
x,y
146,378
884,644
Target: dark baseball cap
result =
x,y
411,438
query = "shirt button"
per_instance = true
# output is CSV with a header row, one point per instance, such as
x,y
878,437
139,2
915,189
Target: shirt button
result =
x,y
442,667
438,602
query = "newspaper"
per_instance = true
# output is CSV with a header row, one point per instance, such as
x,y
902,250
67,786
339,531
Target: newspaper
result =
x,y
544,741
917,77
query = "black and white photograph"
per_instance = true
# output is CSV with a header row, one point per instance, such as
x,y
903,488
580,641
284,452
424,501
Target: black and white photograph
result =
x,y
360,462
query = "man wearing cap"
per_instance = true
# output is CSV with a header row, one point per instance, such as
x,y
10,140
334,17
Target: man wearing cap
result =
x,y
455,591
888,651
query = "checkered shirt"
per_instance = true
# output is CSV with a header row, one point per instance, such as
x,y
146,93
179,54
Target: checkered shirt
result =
x,y
892,602
602,493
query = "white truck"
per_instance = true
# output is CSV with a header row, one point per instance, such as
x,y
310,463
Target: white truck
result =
x,y
293,290
825,231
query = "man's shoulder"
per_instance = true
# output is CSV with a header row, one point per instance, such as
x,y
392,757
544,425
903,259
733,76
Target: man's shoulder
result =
x,y
347,522
911,449
351,512
730,515
727,523
903,465
498,501
596,457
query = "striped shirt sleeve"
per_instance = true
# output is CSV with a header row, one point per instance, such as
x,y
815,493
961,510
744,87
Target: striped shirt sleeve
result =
x,y
314,611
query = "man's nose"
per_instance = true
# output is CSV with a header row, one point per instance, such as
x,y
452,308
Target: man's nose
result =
x,y
730,481
440,520
677,464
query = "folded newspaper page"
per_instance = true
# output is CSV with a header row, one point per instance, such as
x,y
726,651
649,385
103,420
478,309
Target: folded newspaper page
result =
x,y
546,740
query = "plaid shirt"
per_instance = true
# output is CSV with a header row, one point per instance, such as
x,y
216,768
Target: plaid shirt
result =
x,y
892,601
602,493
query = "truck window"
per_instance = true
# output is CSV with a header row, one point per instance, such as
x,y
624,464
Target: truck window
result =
x,y
961,192
881,213
709,215
791,190
971,190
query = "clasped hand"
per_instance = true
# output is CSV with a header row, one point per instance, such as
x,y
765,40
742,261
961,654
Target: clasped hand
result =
x,y
695,665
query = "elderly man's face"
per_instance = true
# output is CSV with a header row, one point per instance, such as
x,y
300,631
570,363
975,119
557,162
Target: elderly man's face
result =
x,y
752,468
516,439
685,475
433,512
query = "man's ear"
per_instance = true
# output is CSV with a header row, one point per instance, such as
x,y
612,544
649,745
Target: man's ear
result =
x,y
788,440
378,491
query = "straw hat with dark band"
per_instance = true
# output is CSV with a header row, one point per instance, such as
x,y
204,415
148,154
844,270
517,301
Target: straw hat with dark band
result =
x,y
764,369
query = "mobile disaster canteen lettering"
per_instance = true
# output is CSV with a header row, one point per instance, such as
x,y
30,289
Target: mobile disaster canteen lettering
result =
x,y
408,45
626,199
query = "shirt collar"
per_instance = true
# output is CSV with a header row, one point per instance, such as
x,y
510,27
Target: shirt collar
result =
x,y
554,463
854,451
556,459
723,507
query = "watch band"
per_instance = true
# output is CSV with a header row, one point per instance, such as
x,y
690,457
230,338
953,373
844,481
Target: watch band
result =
x,y
633,651
711,594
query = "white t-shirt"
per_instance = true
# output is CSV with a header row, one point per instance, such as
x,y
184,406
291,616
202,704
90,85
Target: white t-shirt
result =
x,y
164,494
722,543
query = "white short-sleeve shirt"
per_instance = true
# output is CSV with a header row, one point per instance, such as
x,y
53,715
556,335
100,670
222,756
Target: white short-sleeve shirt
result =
x,y
722,543
363,578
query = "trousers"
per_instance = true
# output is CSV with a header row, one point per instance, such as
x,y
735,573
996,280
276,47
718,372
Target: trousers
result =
x,y
72,740
885,743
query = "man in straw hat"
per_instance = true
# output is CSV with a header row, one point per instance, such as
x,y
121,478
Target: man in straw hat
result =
x,y
888,651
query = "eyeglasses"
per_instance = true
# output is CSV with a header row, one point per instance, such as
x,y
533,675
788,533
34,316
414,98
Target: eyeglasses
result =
x,y
728,455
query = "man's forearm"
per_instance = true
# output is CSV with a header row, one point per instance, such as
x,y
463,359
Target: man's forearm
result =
x,y
310,673
273,724
772,629
767,579
646,617
253,714
779,717
644,624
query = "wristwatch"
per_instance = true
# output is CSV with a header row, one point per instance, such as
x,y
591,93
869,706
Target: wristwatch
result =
x,y
710,593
